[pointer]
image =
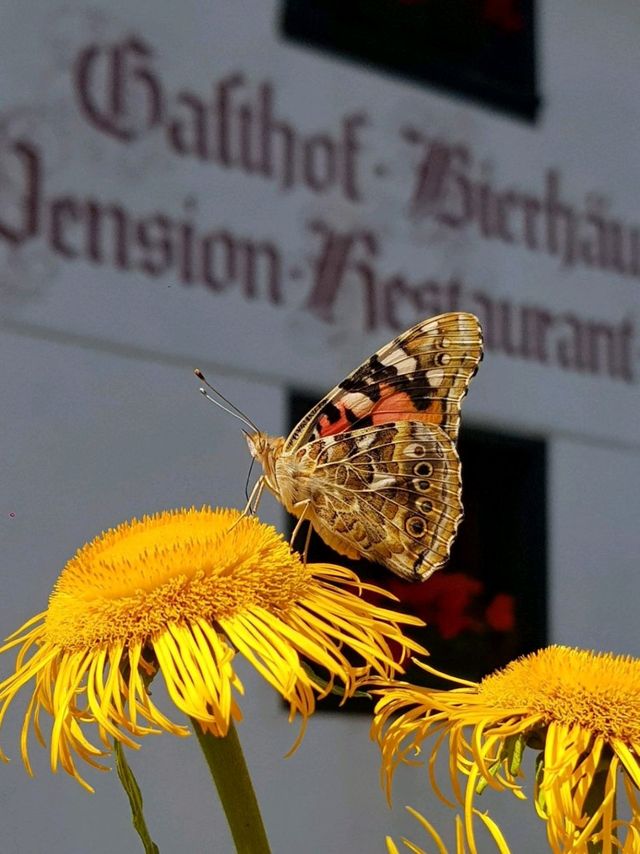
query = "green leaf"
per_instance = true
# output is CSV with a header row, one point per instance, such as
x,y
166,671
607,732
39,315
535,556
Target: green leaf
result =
x,y
514,746
539,776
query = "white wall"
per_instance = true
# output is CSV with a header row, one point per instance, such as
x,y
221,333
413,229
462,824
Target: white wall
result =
x,y
595,542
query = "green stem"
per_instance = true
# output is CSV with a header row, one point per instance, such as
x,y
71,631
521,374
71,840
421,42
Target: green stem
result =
x,y
132,790
230,774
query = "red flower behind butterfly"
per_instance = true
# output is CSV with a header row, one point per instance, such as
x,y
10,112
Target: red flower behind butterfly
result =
x,y
450,602
500,613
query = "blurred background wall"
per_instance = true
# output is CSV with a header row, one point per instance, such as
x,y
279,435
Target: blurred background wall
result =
x,y
270,191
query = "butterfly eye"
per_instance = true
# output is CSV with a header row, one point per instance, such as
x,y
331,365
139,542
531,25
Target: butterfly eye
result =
x,y
425,506
423,469
416,526
422,485
443,358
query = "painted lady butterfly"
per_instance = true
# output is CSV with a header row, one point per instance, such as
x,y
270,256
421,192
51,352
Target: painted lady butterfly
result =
x,y
373,466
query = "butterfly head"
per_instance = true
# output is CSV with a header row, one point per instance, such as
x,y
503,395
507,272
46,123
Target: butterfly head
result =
x,y
266,450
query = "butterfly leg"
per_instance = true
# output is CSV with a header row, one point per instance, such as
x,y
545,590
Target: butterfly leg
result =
x,y
252,504
254,499
305,553
304,507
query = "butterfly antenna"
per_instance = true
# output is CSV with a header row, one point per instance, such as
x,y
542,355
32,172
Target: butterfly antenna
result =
x,y
237,413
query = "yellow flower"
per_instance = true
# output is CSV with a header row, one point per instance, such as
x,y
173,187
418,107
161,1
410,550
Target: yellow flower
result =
x,y
180,592
580,710
491,826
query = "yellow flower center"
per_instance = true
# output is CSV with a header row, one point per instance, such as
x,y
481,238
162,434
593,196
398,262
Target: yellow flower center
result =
x,y
177,566
599,692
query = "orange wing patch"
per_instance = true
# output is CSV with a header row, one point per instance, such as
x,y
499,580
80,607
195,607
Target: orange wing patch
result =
x,y
398,406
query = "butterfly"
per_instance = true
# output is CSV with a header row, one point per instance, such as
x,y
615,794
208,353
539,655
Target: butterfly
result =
x,y
373,466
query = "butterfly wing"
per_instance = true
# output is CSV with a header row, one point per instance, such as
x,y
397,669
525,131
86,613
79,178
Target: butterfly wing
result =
x,y
420,376
388,493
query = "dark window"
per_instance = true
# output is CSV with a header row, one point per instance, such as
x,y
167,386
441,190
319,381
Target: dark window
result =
x,y
484,49
488,605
